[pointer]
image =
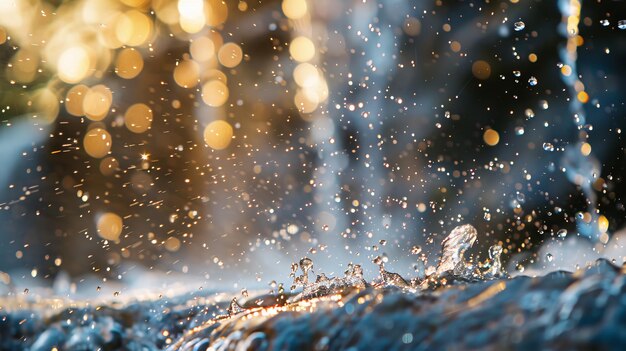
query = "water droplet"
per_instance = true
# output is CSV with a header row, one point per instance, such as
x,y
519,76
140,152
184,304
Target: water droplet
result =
x,y
244,292
548,147
487,216
621,24
562,233
306,264
234,307
26,291
549,257
605,22
518,26
517,73
383,242
532,81
519,130
416,250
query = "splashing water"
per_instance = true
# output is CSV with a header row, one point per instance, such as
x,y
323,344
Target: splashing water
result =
x,y
454,247
453,266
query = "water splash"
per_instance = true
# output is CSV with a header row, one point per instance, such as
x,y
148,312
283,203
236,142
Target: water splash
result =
x,y
454,247
452,267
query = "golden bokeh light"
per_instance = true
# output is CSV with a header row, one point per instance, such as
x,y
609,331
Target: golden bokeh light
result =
x,y
412,26
74,100
128,63
73,64
97,102
166,11
481,69
214,93
172,244
218,134
302,49
585,149
46,105
455,46
97,142
294,9
186,74
305,101
192,17
110,226
138,118
202,49
306,75
216,12
230,55
3,35
133,28
603,224
108,166
214,74
135,3
491,137
23,67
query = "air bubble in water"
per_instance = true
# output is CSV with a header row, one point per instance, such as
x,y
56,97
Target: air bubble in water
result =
x,y
532,81
518,26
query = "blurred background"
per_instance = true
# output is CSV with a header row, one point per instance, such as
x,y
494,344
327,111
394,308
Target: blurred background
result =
x,y
226,139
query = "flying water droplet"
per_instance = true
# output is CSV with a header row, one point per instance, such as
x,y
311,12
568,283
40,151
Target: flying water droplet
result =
x,y
234,307
517,73
532,81
562,233
621,24
548,147
605,22
519,25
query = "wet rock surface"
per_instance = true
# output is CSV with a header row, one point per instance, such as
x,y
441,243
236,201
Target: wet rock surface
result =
x,y
560,311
